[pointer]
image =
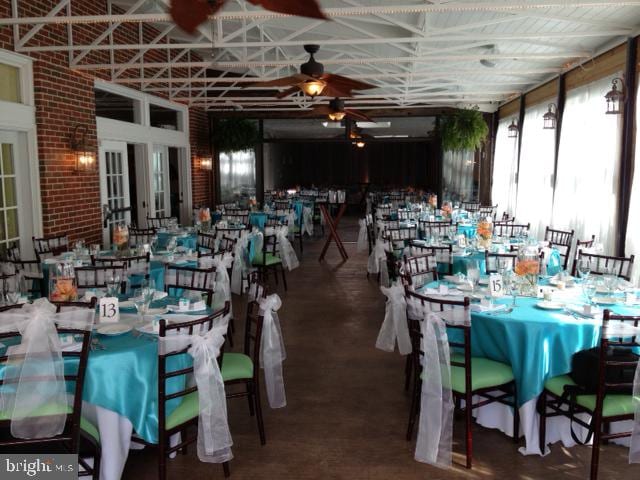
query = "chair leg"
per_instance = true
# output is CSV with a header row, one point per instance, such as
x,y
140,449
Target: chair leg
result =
x,y
595,448
469,425
284,278
256,393
251,399
230,330
275,274
226,469
301,248
96,463
542,411
516,416
162,464
415,407
183,435
408,370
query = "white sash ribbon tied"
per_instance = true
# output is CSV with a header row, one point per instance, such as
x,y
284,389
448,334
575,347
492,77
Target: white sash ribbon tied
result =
x,y
363,245
378,262
287,253
272,352
34,373
435,429
222,291
394,327
239,270
307,221
214,438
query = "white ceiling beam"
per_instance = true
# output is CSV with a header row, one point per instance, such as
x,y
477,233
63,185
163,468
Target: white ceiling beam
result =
x,y
35,29
139,56
505,6
343,61
367,97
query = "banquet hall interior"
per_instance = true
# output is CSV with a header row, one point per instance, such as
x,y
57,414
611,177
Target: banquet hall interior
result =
x,y
319,239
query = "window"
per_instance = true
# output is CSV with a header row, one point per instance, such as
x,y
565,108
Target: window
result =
x,y
8,197
505,164
237,175
160,182
457,175
632,245
535,176
162,117
10,83
588,166
116,107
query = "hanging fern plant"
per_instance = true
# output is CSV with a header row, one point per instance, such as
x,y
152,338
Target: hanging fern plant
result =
x,y
463,130
234,135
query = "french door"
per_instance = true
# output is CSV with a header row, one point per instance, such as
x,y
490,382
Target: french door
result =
x,y
114,186
160,188
10,208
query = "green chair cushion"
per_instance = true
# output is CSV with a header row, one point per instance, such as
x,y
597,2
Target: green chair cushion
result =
x,y
55,409
266,260
236,366
294,229
188,409
614,404
485,373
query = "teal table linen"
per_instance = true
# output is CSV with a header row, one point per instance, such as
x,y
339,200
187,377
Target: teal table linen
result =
x,y
187,241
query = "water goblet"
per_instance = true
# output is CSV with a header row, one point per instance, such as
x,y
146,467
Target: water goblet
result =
x,y
113,285
589,289
584,268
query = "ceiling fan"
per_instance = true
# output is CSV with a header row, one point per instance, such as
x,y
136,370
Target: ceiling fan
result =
x,y
189,14
335,111
313,81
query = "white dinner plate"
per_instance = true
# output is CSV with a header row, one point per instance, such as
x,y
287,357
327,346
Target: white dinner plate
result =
x,y
147,328
595,312
483,281
127,304
465,287
113,329
567,283
607,300
157,311
550,305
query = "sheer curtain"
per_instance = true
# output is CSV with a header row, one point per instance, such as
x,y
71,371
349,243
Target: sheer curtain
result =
x,y
505,165
632,245
457,175
237,175
588,166
535,187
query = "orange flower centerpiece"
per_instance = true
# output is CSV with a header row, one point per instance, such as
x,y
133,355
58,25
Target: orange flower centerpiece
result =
x,y
528,268
446,210
121,237
204,216
62,286
484,232
433,201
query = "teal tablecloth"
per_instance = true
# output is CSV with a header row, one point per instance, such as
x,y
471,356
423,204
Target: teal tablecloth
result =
x,y
258,219
188,241
538,344
468,231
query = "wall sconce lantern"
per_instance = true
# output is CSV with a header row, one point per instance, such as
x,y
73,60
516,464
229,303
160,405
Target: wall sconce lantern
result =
x,y
512,131
206,163
85,160
615,98
550,119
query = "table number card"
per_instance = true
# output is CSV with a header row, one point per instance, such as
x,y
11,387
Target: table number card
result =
x,y
496,285
109,310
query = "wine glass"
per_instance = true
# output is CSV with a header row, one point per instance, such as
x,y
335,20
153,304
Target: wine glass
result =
x,y
584,268
589,289
473,274
142,300
510,282
113,285
172,245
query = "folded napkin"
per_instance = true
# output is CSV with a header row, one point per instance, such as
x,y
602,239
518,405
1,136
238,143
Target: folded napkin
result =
x,y
157,295
459,278
182,318
193,307
476,307
453,292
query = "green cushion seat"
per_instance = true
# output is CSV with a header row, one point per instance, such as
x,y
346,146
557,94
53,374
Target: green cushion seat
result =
x,y
266,260
188,409
55,409
294,229
614,404
236,366
485,373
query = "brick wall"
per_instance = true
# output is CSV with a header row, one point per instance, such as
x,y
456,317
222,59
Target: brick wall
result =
x,y
64,98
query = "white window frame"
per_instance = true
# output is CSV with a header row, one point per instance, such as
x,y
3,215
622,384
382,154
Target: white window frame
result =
x,y
21,118
144,134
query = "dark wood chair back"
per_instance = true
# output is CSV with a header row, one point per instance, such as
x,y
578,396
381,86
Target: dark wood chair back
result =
x,y
493,261
510,229
193,279
419,270
140,236
206,242
622,267
96,277
562,240
158,222
430,229
46,247
470,206
253,336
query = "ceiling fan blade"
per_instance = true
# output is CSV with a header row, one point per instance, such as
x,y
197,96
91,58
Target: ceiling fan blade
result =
x,y
278,82
318,110
346,83
334,91
289,91
357,114
307,8
189,14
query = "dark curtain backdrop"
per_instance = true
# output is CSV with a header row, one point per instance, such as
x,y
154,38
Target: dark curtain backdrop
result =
x,y
327,163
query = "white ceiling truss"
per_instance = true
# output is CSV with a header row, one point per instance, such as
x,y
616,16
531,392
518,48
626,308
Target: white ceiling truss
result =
x,y
418,53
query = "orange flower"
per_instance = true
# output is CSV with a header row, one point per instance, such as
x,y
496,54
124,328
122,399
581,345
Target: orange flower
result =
x,y
120,235
527,267
446,209
64,290
484,229
204,215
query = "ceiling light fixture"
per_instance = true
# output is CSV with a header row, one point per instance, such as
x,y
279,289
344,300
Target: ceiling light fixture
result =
x,y
615,98
512,131
550,119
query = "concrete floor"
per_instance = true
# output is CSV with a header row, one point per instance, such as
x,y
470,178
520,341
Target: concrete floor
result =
x,y
347,411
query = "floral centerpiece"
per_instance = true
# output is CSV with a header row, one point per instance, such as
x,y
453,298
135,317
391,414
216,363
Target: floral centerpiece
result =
x,y
446,210
527,268
433,201
484,232
120,237
204,217
64,290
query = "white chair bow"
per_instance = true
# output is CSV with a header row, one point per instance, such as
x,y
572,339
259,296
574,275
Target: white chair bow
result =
x,y
394,327
378,262
307,221
240,267
287,253
38,356
272,352
214,438
362,245
222,291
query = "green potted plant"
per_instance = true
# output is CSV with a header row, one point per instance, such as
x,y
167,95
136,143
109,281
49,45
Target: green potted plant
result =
x,y
463,130
234,134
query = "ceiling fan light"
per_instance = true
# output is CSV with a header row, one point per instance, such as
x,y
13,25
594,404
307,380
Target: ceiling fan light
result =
x,y
313,88
360,144
336,116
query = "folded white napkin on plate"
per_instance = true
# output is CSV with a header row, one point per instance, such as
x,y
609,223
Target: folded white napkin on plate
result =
x,y
476,307
452,292
193,307
181,318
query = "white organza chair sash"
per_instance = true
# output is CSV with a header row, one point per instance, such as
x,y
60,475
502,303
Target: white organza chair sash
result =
x,y
378,262
394,327
222,291
214,438
362,236
240,267
307,221
287,253
617,329
272,352
34,372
